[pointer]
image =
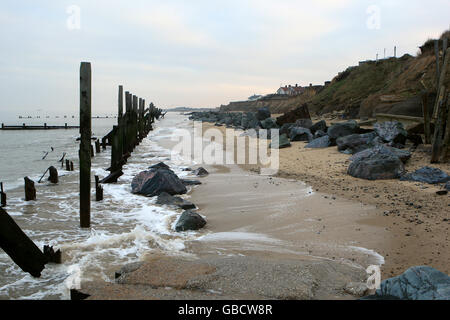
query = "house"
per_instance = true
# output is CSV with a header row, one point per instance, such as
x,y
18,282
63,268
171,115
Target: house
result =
x,y
291,90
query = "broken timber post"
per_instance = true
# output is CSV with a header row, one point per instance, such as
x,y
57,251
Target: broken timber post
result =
x,y
120,121
127,122
71,166
51,255
2,196
53,178
98,190
30,190
19,247
134,121
67,165
116,154
85,145
92,151
97,146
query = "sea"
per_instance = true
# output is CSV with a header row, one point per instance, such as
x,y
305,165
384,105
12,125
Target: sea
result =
x,y
124,226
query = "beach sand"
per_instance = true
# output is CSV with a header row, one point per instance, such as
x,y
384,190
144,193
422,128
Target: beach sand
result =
x,y
312,221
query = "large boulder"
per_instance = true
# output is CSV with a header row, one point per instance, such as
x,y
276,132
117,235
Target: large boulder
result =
x,y
190,220
200,172
403,155
300,134
269,123
304,123
300,112
391,132
160,165
342,129
283,142
155,181
166,199
355,142
416,283
427,175
319,134
322,142
263,114
285,128
376,166
319,126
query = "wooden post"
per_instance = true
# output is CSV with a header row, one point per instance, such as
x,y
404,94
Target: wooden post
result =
x,y
115,152
127,123
97,146
98,190
19,247
120,122
53,178
439,126
134,121
85,145
92,151
67,165
30,190
436,53
2,196
426,118
71,166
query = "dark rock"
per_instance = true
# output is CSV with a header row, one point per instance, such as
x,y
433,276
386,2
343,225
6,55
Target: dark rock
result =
x,y
356,142
155,181
188,182
319,134
376,166
160,165
403,155
269,123
263,114
319,126
427,175
200,172
322,142
301,112
167,199
391,131
416,283
304,123
286,127
300,134
442,192
283,142
342,129
190,221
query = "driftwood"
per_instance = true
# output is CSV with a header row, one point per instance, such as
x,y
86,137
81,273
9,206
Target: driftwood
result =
x,y
30,190
19,247
113,177
39,181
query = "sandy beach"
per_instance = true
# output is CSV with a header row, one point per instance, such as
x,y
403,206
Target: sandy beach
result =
x,y
311,217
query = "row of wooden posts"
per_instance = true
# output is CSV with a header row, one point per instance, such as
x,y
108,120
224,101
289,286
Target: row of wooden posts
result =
x,y
133,125
440,139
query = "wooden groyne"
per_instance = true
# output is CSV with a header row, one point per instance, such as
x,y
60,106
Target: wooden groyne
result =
x,y
36,127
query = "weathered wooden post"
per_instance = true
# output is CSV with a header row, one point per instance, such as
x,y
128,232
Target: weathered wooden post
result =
x,y
97,146
71,165
98,190
436,53
30,190
85,145
53,178
19,247
127,122
67,165
134,120
2,196
120,121
92,150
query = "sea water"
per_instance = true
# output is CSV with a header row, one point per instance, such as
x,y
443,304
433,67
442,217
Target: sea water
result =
x,y
124,226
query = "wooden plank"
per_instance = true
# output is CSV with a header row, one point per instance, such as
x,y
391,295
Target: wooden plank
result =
x,y
85,145
19,247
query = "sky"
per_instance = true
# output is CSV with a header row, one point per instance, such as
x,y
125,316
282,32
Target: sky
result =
x,y
196,53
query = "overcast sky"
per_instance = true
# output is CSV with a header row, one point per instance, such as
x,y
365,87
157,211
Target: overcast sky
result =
x,y
194,53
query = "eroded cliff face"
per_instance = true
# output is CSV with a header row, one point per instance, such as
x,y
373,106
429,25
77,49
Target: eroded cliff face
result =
x,y
393,85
